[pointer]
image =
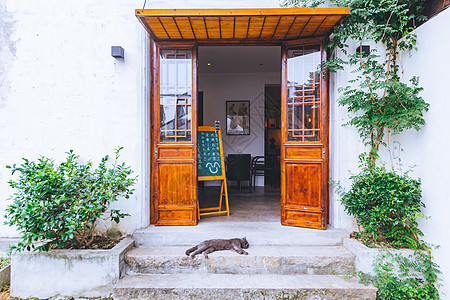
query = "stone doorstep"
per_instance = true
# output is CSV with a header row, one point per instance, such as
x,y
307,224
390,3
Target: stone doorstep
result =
x,y
232,286
261,260
262,233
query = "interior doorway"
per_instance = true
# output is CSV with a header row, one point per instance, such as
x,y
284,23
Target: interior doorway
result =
x,y
232,78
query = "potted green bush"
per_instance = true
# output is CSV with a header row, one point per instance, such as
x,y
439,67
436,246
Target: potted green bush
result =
x,y
57,207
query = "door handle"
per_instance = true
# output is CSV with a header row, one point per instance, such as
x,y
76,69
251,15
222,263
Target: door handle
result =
x,y
156,152
324,153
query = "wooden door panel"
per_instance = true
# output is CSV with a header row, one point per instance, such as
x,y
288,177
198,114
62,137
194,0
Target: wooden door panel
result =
x,y
175,184
304,113
174,136
304,153
304,184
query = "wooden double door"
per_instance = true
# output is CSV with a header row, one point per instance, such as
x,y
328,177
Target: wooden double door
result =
x,y
304,149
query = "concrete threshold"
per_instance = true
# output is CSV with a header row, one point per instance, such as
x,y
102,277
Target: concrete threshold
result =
x,y
257,233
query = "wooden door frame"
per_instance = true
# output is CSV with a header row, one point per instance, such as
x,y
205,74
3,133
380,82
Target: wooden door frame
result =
x,y
155,113
154,96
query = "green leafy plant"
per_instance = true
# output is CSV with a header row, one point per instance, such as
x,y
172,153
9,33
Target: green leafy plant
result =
x,y
386,206
399,277
377,99
58,205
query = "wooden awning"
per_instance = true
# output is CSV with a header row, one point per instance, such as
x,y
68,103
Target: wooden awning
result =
x,y
257,25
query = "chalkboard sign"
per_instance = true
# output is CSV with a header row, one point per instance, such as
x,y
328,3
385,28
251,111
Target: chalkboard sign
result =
x,y
209,156
211,165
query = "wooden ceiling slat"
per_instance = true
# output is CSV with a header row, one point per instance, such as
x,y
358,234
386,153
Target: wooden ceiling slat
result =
x,y
213,27
241,25
206,28
227,27
297,27
318,27
156,27
185,27
276,27
171,28
312,26
255,26
269,27
198,25
283,27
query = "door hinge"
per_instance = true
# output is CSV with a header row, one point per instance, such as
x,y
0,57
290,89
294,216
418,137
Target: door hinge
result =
x,y
156,152
324,153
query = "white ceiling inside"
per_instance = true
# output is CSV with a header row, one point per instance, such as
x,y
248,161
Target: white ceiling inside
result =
x,y
239,59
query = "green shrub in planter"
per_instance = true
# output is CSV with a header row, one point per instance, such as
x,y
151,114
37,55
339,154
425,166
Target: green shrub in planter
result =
x,y
57,206
387,206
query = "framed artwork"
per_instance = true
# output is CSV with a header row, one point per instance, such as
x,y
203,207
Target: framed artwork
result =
x,y
238,117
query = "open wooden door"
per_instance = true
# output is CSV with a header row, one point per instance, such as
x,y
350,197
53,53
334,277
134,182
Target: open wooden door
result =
x,y
174,134
304,152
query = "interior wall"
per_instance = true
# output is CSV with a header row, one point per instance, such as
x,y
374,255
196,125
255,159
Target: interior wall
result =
x,y
221,87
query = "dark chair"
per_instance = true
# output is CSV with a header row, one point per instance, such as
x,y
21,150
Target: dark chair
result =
x,y
239,169
263,166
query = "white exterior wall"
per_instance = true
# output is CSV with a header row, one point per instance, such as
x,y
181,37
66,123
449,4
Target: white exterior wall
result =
x,y
427,149
60,89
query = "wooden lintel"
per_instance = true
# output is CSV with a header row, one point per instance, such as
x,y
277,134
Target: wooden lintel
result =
x,y
326,11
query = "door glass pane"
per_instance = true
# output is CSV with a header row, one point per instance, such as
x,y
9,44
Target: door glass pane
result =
x,y
175,95
303,106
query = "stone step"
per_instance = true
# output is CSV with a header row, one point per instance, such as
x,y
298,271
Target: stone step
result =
x,y
261,260
228,286
257,233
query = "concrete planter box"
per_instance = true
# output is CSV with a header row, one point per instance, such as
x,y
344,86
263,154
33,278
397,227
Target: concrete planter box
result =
x,y
5,274
364,256
76,273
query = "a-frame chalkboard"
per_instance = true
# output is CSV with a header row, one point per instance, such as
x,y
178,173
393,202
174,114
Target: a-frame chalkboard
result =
x,y
211,164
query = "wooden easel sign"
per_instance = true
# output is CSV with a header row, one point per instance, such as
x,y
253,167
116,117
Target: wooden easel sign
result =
x,y
211,164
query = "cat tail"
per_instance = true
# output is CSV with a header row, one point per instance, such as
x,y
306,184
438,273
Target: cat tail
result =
x,y
190,250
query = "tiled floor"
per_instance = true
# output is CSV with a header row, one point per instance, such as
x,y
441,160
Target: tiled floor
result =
x,y
262,205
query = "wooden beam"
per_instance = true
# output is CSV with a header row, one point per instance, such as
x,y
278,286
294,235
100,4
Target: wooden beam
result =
x,y
245,12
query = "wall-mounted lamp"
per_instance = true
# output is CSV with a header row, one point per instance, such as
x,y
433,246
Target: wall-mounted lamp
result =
x,y
117,52
365,50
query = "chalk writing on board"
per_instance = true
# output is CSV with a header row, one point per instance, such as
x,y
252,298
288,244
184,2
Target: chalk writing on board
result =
x,y
209,156
213,168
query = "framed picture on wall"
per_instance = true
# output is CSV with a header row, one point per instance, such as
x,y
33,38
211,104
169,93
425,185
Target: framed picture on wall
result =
x,y
238,117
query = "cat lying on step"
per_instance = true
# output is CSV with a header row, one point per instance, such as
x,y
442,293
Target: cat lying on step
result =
x,y
209,246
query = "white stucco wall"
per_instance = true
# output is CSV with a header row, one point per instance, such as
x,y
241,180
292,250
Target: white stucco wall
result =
x,y
427,149
60,89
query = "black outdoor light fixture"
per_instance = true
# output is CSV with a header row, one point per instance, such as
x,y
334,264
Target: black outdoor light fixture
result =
x,y
365,50
117,52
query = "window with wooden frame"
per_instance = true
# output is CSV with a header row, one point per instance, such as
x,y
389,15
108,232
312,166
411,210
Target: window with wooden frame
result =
x,y
303,84
175,95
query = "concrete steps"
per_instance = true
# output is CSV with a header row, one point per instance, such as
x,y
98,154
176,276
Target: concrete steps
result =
x,y
236,286
257,233
261,260
283,263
